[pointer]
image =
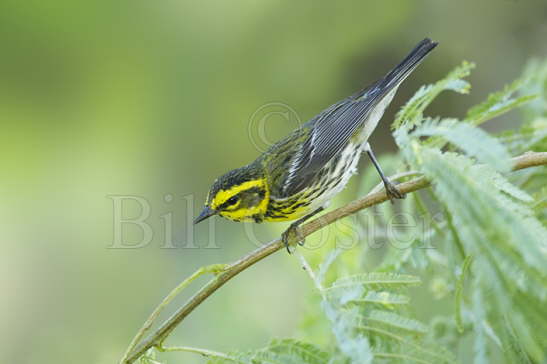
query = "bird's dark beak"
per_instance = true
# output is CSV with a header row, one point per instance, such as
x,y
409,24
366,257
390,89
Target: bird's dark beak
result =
x,y
207,212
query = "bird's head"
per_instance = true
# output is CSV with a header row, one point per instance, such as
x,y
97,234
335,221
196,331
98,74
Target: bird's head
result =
x,y
239,195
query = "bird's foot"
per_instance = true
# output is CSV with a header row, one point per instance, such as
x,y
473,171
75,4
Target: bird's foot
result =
x,y
392,191
291,236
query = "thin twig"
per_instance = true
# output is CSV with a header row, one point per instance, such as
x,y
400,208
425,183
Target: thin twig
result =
x,y
205,352
214,269
526,160
306,266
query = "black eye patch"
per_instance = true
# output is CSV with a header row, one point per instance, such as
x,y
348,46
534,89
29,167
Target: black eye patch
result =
x,y
232,200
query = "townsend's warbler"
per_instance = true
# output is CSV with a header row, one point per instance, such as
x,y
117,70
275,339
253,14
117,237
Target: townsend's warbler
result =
x,y
297,177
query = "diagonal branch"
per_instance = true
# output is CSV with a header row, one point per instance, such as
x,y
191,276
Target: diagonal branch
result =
x,y
137,349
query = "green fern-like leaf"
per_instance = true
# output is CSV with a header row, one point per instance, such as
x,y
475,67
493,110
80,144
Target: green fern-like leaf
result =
x,y
284,351
384,298
290,351
411,114
391,319
412,353
498,103
396,345
536,75
351,345
376,281
473,141
503,232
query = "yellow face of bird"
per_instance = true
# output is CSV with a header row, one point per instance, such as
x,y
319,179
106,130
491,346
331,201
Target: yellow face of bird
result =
x,y
245,201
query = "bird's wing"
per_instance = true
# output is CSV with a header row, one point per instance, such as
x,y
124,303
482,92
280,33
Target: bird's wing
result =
x,y
332,129
330,133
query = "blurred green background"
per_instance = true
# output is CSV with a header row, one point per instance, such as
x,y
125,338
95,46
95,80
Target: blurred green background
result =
x,y
144,98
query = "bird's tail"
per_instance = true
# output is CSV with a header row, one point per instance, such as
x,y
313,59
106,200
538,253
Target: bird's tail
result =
x,y
405,68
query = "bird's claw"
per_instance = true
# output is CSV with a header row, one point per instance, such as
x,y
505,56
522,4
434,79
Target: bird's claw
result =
x,y
393,192
292,235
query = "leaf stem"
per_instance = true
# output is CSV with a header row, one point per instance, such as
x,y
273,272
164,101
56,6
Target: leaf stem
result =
x,y
205,352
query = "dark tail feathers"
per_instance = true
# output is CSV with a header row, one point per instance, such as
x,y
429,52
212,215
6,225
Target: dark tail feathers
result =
x,y
405,68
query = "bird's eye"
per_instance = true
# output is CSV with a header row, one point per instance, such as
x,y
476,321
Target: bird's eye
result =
x,y
232,200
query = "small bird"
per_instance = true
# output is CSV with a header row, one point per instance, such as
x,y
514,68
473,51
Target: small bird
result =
x,y
298,176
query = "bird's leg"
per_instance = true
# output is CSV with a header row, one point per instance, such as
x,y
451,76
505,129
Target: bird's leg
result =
x,y
391,191
293,232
